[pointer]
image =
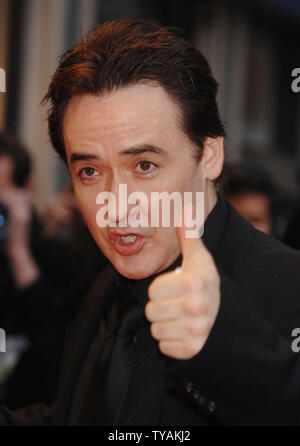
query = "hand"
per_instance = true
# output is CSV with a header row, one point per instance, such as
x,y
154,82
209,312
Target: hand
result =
x,y
182,308
23,265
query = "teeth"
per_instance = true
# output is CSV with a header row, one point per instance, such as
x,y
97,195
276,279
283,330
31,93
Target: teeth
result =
x,y
128,238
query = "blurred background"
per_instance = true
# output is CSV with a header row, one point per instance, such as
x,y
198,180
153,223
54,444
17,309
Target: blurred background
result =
x,y
252,47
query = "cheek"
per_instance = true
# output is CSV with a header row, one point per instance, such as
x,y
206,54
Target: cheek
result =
x,y
166,241
189,179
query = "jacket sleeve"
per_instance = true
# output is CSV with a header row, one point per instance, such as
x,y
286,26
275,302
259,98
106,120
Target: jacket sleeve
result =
x,y
34,415
246,373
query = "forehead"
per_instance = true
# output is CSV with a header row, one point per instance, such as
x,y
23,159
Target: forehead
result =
x,y
127,116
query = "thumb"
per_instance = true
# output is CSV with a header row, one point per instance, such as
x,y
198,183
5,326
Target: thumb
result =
x,y
189,238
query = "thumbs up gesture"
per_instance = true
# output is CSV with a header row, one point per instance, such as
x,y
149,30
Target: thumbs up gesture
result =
x,y
182,308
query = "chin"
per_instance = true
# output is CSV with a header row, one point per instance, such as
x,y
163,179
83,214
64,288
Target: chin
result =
x,y
136,273
135,267
138,266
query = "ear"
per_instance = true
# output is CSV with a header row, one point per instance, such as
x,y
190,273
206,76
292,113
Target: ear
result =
x,y
213,157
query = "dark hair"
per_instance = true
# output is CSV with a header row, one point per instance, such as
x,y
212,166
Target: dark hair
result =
x,y
12,147
246,177
124,52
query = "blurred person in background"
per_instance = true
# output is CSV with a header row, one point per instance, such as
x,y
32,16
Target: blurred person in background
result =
x,y
71,250
249,188
60,214
41,282
27,303
292,234
20,228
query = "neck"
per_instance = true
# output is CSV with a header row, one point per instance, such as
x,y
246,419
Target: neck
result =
x,y
211,198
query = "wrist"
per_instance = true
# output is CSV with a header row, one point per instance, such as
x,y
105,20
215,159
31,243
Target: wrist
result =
x,y
18,251
24,266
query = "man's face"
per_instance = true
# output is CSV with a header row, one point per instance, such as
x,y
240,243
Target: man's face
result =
x,y
130,136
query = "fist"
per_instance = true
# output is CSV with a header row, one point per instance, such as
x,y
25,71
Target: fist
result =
x,y
182,308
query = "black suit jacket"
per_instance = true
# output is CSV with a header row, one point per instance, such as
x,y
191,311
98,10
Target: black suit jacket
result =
x,y
246,373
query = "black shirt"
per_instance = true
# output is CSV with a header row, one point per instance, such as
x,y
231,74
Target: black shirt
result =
x,y
148,390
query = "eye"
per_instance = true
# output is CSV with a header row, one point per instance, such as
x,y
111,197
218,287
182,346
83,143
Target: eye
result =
x,y
145,167
88,173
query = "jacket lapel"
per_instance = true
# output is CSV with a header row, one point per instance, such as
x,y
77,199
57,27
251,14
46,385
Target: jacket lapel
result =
x,y
79,336
238,236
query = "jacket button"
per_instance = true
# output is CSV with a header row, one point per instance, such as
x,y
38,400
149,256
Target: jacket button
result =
x,y
189,386
202,400
211,406
196,394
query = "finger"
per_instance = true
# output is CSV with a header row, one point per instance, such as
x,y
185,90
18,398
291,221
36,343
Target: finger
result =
x,y
166,331
166,286
193,249
192,327
174,349
163,310
170,309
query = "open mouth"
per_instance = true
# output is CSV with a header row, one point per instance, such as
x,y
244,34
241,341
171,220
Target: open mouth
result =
x,y
128,238
126,243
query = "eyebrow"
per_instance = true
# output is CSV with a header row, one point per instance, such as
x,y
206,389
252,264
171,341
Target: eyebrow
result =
x,y
136,150
82,157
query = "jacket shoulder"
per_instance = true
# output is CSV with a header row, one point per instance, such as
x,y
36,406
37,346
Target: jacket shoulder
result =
x,y
269,275
271,257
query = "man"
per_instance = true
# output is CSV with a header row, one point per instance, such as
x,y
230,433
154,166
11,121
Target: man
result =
x,y
249,188
208,343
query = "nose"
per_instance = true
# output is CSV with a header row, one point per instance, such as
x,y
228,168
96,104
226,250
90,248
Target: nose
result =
x,y
118,209
122,205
